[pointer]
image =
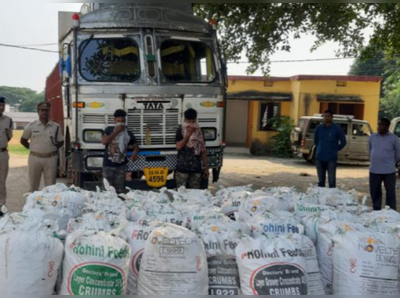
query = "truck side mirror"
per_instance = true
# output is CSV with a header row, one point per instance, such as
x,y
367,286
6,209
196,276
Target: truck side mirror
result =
x,y
65,62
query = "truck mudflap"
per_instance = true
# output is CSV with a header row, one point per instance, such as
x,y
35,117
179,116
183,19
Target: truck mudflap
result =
x,y
91,162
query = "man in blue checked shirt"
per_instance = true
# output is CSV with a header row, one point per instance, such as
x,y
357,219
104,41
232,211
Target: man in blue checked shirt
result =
x,y
329,139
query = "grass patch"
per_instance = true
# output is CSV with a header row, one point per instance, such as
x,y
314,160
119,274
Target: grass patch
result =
x,y
18,149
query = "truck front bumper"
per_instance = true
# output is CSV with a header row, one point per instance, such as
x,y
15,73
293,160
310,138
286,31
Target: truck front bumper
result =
x,y
92,161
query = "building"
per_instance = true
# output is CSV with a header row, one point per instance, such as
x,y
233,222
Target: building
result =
x,y
21,120
253,101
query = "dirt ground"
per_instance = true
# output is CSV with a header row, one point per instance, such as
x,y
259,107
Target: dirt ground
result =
x,y
237,170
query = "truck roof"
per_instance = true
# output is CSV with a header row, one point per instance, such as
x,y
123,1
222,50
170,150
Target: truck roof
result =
x,y
149,15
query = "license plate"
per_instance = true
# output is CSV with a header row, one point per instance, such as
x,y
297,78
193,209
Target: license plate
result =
x,y
156,177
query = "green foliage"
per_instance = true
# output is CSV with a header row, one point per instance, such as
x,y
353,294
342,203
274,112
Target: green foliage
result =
x,y
260,149
282,146
27,98
18,149
390,103
388,68
261,29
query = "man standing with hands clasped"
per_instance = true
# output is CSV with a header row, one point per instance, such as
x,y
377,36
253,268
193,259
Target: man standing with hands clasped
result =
x,y
43,138
329,139
118,140
384,148
6,133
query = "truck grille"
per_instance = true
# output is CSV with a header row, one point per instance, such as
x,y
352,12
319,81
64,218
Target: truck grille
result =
x,y
154,128
98,119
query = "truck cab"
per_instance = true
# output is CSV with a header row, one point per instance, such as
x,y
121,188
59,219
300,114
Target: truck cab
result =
x,y
152,60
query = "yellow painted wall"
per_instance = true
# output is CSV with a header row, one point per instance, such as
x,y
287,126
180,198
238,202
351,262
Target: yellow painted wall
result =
x,y
305,91
368,91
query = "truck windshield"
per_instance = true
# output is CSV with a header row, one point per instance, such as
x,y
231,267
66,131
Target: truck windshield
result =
x,y
110,60
187,61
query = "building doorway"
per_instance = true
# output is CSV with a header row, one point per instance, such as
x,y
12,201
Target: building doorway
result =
x,y
236,123
351,109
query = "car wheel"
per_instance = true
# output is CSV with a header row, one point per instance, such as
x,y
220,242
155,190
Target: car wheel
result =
x,y
308,159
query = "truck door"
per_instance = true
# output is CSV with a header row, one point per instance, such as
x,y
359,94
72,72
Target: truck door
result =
x,y
358,146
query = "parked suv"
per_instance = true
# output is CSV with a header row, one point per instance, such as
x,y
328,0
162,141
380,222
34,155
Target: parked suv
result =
x,y
357,135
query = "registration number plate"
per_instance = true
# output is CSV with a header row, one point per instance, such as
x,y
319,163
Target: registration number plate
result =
x,y
156,177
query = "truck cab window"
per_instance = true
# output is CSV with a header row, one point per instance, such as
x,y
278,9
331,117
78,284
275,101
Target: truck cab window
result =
x,y
109,60
187,61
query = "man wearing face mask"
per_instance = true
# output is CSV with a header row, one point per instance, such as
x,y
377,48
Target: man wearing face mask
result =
x,y
118,140
192,164
43,138
6,132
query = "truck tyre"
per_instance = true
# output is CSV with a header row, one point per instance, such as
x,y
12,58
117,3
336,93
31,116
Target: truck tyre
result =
x,y
74,177
204,183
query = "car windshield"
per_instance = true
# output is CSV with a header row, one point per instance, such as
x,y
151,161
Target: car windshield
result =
x,y
110,60
187,61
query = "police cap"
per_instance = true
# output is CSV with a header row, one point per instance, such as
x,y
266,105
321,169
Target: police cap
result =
x,y
44,105
2,100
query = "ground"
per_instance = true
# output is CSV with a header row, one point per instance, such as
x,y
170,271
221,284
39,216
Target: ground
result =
x,y
238,170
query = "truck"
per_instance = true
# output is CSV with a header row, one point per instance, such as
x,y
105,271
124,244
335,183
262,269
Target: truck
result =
x,y
152,60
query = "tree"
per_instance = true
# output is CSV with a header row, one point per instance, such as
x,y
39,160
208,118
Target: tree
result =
x,y
388,69
390,103
375,66
261,29
25,97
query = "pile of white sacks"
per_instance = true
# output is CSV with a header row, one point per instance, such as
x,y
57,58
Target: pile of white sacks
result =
x,y
275,241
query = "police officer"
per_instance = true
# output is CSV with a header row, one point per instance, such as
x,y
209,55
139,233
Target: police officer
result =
x,y
6,132
45,138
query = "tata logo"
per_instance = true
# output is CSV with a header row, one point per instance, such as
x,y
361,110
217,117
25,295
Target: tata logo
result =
x,y
153,106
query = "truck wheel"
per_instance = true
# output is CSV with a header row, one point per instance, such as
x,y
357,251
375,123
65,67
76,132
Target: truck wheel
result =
x,y
74,177
204,183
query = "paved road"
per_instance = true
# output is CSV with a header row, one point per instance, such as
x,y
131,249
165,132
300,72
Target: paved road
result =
x,y
238,170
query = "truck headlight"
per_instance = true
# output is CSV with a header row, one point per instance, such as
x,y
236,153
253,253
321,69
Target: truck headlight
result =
x,y
92,135
210,134
94,162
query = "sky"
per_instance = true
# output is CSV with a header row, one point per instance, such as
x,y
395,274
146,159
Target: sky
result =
x,y
37,23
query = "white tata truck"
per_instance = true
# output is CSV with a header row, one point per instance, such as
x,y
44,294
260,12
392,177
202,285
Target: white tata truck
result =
x,y
152,60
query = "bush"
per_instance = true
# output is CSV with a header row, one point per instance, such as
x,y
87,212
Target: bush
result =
x,y
281,146
259,149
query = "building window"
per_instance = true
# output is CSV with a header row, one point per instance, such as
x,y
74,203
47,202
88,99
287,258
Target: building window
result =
x,y
341,83
267,112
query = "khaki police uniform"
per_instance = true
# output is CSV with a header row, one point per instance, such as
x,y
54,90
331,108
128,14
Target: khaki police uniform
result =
x,y
43,156
6,133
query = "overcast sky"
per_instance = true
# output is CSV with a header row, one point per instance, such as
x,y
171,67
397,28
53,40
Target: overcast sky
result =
x,y
36,23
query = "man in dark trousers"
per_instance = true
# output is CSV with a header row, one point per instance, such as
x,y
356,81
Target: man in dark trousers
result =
x,y
329,139
118,140
192,164
384,148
